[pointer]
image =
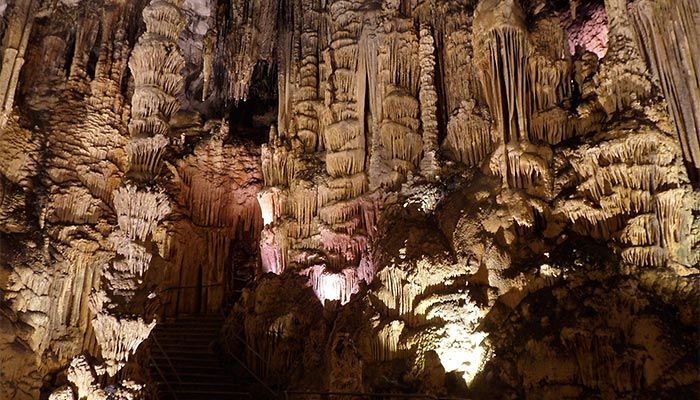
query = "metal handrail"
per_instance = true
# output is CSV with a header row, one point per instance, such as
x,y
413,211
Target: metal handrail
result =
x,y
162,375
172,367
245,343
287,393
252,373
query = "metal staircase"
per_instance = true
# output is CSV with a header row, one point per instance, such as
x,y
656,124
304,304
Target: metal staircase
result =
x,y
186,366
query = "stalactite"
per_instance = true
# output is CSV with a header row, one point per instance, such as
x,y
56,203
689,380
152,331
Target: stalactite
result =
x,y
145,155
279,164
14,46
386,344
272,204
469,137
119,338
515,84
273,250
641,230
501,50
597,362
555,125
139,212
155,63
662,27
332,286
622,70
399,73
460,83
634,192
549,67
366,272
247,33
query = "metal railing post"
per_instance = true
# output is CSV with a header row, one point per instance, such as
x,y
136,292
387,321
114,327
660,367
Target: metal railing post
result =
x,y
162,376
172,367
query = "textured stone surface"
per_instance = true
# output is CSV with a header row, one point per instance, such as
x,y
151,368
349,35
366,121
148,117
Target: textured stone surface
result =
x,y
493,198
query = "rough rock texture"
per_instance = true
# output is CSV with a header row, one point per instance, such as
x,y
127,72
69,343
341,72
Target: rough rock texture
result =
x,y
101,188
437,276
493,198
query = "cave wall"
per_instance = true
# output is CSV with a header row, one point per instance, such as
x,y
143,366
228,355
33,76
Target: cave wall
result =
x,y
463,162
110,178
466,193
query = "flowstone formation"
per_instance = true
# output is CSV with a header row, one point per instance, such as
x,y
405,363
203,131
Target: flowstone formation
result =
x,y
467,198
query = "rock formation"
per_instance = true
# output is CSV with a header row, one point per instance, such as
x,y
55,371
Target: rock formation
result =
x,y
473,198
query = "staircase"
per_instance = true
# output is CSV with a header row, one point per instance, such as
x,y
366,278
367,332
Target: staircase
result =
x,y
186,366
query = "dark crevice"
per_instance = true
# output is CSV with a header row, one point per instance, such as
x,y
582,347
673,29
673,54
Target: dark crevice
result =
x,y
250,119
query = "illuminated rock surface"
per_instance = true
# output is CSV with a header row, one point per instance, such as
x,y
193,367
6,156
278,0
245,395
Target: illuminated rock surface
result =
x,y
474,198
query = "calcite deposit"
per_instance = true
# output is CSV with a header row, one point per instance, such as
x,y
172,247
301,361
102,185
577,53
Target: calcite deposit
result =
x,y
446,198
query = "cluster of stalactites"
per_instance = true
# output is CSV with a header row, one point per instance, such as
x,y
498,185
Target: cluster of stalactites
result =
x,y
335,203
118,335
138,214
14,44
673,52
306,72
501,52
469,135
85,378
623,69
246,32
632,191
119,338
156,63
400,144
526,79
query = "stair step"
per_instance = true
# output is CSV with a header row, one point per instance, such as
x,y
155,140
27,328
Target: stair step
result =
x,y
195,339
208,386
187,341
188,328
191,372
188,361
204,347
184,334
188,348
204,326
194,395
205,360
207,320
186,358
186,376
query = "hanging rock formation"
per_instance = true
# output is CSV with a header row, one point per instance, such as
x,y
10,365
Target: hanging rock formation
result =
x,y
465,198
672,52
